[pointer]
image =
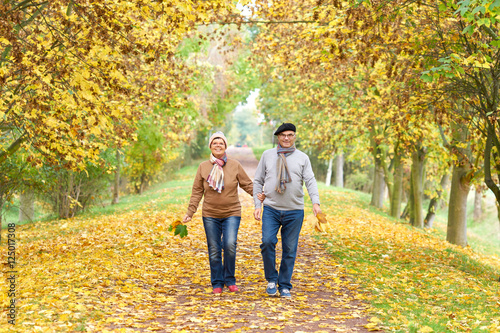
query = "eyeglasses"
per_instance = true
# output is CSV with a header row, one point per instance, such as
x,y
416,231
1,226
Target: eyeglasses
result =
x,y
289,136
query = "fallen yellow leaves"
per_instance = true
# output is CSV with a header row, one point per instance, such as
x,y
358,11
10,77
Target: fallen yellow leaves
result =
x,y
419,280
321,224
373,324
126,272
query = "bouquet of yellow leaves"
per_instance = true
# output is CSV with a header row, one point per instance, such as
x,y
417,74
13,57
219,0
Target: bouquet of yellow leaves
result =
x,y
321,223
178,228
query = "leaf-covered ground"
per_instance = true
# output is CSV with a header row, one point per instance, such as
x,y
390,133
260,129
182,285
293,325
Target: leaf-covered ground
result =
x,y
124,271
417,281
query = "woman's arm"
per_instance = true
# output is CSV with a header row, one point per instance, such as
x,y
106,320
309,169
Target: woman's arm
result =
x,y
244,181
196,195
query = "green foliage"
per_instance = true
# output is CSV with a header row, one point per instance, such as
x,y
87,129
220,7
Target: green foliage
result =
x,y
245,128
180,229
192,45
145,157
359,181
70,192
159,142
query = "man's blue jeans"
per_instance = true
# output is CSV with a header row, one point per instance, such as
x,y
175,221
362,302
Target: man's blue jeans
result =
x,y
222,234
290,222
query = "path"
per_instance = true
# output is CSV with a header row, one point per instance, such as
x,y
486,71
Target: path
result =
x,y
323,298
246,157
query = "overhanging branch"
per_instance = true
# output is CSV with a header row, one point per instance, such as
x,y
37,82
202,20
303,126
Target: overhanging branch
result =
x,y
258,22
12,149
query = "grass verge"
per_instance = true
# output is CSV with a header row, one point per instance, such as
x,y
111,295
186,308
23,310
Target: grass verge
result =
x,y
414,279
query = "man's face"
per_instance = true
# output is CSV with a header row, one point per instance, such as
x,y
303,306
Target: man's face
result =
x,y
286,139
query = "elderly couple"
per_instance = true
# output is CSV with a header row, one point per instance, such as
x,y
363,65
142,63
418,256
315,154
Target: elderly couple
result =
x,y
278,185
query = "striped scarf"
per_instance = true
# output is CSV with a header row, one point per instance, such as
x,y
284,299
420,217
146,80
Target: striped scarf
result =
x,y
283,174
216,177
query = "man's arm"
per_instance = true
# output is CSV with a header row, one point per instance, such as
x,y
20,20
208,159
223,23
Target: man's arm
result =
x,y
258,185
312,186
258,181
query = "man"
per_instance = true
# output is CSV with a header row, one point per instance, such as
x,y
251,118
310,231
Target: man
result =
x,y
283,171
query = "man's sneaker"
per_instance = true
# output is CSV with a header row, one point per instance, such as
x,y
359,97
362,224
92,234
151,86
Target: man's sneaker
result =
x,y
285,293
271,289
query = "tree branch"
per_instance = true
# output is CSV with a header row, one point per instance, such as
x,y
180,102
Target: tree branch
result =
x,y
258,22
13,148
487,167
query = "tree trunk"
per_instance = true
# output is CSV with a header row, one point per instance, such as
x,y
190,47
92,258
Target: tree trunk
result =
x,y
478,207
411,205
1,215
378,190
397,191
457,212
456,232
116,185
431,213
339,170
27,206
417,180
142,186
433,205
445,185
329,172
66,189
488,180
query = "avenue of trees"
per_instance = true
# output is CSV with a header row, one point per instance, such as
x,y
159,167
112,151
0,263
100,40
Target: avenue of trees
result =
x,y
98,94
411,86
93,94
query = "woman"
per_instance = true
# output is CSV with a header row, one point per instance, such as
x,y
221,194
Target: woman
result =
x,y
218,180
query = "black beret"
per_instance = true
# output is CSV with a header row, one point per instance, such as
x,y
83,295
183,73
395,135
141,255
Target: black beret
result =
x,y
285,127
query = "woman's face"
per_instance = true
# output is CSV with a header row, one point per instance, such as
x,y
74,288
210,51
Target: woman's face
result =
x,y
218,147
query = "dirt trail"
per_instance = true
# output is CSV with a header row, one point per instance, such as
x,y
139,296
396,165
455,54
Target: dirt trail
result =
x,y
323,298
246,157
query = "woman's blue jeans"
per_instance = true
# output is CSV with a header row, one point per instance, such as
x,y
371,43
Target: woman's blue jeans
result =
x,y
222,234
290,222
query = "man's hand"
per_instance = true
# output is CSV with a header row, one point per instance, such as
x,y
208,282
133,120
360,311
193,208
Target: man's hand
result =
x,y
186,218
256,213
316,209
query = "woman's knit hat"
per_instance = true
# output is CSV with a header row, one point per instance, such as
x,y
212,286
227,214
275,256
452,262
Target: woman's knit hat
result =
x,y
217,135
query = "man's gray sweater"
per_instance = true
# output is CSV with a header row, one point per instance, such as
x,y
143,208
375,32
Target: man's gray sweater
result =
x,y
301,172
